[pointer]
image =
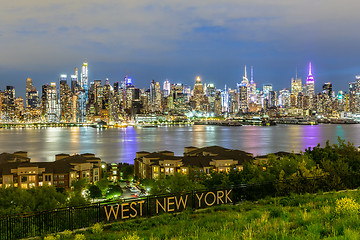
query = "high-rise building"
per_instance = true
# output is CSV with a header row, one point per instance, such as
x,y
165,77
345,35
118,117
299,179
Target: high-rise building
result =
x,y
327,89
310,83
296,86
266,89
29,85
167,88
65,100
9,103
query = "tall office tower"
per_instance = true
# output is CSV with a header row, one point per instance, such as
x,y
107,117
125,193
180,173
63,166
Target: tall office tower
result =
x,y
233,101
310,84
198,94
273,102
83,93
167,88
327,89
210,93
52,110
1,105
225,100
152,94
65,100
29,85
243,97
352,95
284,98
44,94
74,84
266,89
9,103
33,98
19,107
217,107
296,86
158,97
84,77
357,94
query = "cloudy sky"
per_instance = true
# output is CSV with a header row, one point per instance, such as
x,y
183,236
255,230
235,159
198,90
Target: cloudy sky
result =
x,y
180,39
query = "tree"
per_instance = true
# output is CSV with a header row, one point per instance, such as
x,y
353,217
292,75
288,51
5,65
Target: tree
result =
x,y
103,185
94,192
114,191
127,172
176,183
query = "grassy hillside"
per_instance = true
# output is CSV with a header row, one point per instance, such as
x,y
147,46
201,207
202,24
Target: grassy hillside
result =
x,y
330,215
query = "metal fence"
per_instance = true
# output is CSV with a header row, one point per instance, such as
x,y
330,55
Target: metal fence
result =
x,y
58,220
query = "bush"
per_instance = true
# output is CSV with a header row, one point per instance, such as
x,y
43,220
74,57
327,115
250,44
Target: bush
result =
x,y
80,237
134,236
346,206
97,228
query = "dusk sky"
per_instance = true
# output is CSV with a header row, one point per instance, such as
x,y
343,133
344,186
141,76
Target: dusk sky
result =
x,y
179,40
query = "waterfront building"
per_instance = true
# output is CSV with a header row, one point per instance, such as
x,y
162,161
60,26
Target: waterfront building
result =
x,y
16,170
208,159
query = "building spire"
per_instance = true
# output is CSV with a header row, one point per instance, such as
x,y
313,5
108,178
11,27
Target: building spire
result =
x,y
310,72
252,75
245,72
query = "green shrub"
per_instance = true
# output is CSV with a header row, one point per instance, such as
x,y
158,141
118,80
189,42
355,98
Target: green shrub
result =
x,y
134,236
97,228
80,236
57,237
346,206
67,234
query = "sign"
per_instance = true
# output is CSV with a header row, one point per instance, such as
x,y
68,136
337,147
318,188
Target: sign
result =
x,y
167,204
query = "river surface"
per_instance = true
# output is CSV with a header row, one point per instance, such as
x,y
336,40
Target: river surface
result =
x,y
121,144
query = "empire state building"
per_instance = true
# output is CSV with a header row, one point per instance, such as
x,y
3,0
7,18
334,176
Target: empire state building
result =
x,y
310,84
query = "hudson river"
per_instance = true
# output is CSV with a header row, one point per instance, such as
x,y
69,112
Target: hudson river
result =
x,y
121,144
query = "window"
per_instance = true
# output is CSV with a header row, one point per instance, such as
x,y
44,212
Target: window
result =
x,y
31,178
48,178
23,179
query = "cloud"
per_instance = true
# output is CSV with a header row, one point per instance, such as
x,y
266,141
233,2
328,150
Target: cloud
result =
x,y
37,34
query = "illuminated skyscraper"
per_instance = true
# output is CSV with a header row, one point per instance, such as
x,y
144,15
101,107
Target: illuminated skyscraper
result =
x,y
29,85
84,77
83,94
167,88
327,89
296,86
310,84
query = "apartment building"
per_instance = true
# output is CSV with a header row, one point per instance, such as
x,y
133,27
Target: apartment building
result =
x,y
16,170
207,159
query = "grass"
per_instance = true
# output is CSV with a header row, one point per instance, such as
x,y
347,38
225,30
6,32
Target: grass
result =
x,y
332,215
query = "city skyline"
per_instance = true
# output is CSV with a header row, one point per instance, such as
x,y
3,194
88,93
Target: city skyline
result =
x,y
180,40
145,85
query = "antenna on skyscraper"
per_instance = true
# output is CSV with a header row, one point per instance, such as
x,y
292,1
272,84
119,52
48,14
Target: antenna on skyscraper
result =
x,y
296,73
252,74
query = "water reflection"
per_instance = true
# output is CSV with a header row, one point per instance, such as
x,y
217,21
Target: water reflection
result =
x,y
120,145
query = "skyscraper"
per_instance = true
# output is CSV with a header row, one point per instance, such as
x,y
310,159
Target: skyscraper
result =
x,y
310,84
29,85
296,86
167,88
327,89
